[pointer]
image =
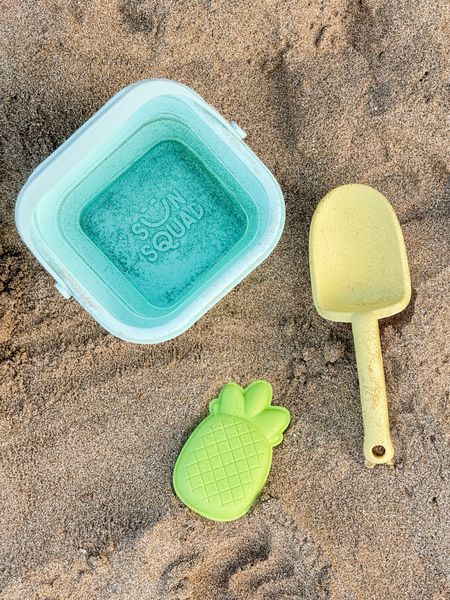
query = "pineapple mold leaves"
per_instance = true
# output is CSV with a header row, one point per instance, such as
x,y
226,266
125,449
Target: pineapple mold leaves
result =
x,y
226,460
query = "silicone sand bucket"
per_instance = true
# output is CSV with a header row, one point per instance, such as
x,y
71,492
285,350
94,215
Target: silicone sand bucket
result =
x,y
151,212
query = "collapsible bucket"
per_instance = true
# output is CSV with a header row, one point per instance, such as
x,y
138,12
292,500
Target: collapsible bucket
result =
x,y
151,212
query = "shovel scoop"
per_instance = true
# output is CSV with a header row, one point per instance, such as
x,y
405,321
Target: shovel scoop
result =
x,y
359,274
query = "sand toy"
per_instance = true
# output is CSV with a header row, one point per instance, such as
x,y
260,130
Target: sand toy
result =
x,y
359,274
151,212
226,460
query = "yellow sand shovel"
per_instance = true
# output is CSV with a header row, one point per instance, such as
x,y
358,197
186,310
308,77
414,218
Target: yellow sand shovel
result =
x,y
359,274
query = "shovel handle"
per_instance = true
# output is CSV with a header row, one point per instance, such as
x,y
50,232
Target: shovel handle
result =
x,y
378,447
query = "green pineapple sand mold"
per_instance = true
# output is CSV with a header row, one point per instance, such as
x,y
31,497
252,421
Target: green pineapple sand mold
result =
x,y
225,462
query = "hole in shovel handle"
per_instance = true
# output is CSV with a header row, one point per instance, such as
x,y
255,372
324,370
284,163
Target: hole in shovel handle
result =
x,y
378,450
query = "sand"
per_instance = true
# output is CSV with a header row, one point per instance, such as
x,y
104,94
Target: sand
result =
x,y
329,92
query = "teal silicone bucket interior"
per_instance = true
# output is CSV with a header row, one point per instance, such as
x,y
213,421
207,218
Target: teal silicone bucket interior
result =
x,y
151,211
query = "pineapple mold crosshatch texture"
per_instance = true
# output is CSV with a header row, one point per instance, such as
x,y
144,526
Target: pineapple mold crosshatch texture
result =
x,y
225,462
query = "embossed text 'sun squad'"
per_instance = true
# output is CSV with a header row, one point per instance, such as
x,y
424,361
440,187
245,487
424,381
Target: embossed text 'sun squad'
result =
x,y
164,222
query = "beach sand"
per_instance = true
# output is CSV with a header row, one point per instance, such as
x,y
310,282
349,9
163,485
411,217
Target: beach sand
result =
x,y
330,92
